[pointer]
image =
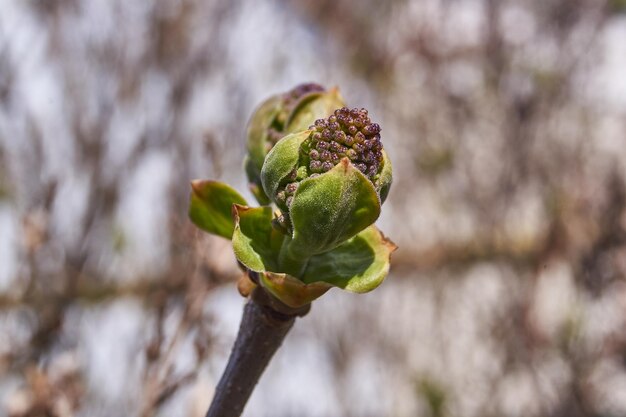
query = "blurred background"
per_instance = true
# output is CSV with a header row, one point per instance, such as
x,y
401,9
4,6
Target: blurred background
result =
x,y
506,123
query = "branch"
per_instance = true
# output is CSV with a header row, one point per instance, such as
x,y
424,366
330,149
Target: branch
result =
x,y
264,325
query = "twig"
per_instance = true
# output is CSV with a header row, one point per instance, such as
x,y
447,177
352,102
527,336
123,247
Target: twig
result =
x,y
264,325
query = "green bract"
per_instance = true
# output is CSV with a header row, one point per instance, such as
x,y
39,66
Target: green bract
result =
x,y
359,264
329,209
327,179
210,207
278,116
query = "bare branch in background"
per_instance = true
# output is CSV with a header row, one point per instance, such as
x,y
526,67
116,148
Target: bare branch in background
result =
x,y
504,117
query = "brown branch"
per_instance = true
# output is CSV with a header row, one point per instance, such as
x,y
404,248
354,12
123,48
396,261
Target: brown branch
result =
x,y
264,325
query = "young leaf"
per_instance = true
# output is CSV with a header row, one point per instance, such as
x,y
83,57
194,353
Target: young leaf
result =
x,y
312,107
210,207
254,181
331,208
292,291
257,130
255,242
281,161
383,183
358,265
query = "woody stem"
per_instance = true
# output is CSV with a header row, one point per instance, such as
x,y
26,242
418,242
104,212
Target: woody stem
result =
x,y
264,325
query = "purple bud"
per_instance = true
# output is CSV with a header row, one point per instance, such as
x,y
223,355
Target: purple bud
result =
x,y
321,146
315,166
334,147
281,223
359,148
291,188
371,129
340,136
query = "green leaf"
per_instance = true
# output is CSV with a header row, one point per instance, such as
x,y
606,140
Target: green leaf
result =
x,y
280,161
255,242
210,206
329,209
257,131
254,181
312,107
292,291
383,183
358,265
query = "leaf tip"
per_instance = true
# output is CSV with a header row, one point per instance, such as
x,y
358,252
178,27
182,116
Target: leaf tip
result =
x,y
196,186
388,243
236,209
345,164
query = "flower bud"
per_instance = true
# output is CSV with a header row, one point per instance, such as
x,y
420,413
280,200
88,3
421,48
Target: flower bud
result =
x,y
322,147
285,113
324,167
342,176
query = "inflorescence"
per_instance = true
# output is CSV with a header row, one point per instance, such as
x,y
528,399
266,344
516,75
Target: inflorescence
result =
x,y
346,133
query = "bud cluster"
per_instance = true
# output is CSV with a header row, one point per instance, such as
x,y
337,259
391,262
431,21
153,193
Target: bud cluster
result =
x,y
284,196
346,133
